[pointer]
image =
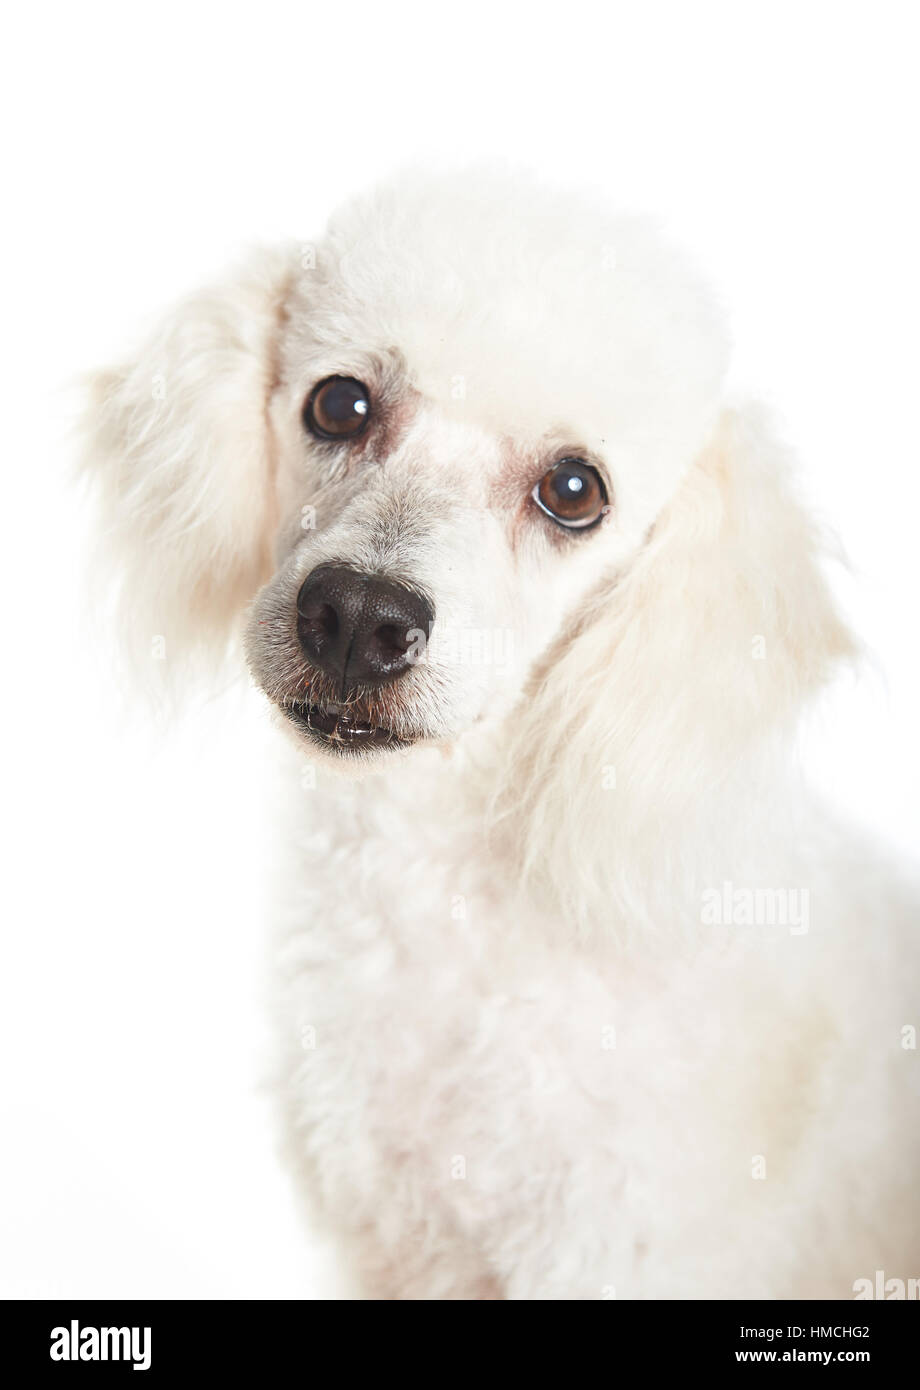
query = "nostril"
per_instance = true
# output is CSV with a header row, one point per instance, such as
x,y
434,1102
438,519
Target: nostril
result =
x,y
318,620
392,641
327,620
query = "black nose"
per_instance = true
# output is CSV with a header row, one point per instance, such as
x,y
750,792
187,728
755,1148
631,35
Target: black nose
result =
x,y
358,627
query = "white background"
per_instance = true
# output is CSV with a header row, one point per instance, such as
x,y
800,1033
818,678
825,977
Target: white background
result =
x,y
146,146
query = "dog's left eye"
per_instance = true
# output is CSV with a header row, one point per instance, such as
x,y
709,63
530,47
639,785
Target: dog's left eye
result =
x,y
572,493
338,408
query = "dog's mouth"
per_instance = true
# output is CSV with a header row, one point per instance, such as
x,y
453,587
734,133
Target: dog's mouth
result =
x,y
343,727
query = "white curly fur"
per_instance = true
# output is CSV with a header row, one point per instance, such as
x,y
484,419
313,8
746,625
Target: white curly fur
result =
x,y
517,1057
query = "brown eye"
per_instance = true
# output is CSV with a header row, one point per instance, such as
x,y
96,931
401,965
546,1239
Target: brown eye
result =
x,y
572,493
338,408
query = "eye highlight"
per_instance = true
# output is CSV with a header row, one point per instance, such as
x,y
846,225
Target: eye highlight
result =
x,y
337,408
572,492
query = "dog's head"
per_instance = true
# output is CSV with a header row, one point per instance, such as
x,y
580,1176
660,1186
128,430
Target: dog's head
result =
x,y
462,464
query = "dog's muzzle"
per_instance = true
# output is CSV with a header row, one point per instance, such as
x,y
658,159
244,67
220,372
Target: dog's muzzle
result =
x,y
360,632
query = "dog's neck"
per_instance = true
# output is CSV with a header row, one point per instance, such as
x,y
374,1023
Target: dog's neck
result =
x,y
594,863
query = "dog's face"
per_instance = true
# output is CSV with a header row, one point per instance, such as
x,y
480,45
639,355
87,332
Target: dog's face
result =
x,y
465,466
477,417
426,560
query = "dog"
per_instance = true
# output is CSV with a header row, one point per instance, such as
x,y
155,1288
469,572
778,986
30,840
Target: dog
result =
x,y
580,993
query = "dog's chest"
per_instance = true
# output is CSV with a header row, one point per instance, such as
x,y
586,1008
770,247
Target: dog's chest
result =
x,y
437,1040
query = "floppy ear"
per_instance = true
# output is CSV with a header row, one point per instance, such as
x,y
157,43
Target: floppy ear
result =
x,y
688,671
179,444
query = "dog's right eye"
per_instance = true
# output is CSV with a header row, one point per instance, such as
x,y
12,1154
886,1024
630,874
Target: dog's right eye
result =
x,y
573,494
337,408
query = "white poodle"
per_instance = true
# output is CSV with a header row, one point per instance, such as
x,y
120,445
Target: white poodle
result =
x,y
578,995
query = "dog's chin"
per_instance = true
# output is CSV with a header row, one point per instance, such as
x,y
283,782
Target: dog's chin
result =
x,y
345,731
